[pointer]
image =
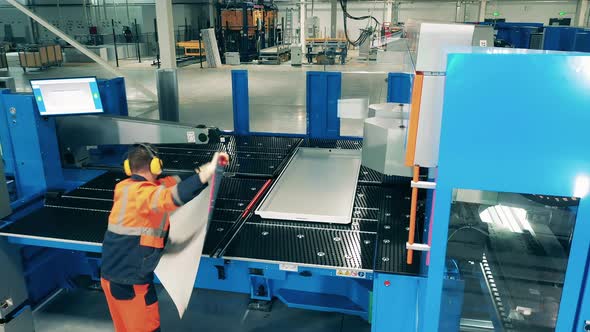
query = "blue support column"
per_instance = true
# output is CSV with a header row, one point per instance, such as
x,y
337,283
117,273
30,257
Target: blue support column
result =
x,y
399,88
396,302
241,103
323,92
31,152
113,96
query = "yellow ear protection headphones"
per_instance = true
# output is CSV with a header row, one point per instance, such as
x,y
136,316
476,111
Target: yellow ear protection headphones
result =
x,y
156,163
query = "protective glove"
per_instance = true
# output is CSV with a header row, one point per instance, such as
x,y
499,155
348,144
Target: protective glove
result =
x,y
207,170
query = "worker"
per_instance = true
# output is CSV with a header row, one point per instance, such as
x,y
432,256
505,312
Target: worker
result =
x,y
136,234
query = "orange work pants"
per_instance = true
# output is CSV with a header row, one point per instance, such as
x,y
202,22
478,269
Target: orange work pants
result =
x,y
134,308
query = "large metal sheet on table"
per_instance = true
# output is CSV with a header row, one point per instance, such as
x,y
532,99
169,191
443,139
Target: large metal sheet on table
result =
x,y
368,198
318,185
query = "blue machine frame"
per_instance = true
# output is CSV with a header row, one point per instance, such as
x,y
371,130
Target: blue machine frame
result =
x,y
508,149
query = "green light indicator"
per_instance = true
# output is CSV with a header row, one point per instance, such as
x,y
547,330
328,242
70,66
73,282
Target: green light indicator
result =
x,y
39,98
561,13
496,13
95,95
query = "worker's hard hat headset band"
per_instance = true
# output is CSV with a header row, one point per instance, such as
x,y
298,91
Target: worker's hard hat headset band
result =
x,y
156,163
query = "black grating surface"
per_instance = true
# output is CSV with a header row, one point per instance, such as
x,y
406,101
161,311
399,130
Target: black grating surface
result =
x,y
226,215
332,144
216,231
393,232
255,167
190,148
258,156
239,189
371,176
62,224
93,193
80,204
305,246
177,162
263,144
107,181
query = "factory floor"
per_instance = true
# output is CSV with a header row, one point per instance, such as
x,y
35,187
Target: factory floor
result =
x,y
277,92
86,310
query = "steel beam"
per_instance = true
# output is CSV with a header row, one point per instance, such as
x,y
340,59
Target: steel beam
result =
x,y
145,91
333,19
212,15
388,14
582,13
302,16
165,25
482,10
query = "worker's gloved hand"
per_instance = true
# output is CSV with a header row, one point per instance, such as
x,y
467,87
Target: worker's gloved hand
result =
x,y
206,171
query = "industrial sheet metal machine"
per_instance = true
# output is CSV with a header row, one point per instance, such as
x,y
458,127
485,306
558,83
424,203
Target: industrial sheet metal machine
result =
x,y
481,238
321,266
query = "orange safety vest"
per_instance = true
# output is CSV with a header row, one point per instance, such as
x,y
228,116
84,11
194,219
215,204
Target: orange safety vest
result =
x,y
142,208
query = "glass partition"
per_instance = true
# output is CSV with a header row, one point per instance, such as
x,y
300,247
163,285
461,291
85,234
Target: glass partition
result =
x,y
206,102
277,99
507,255
371,86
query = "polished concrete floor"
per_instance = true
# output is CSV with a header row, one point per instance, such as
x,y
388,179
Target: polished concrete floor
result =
x,y
277,93
87,311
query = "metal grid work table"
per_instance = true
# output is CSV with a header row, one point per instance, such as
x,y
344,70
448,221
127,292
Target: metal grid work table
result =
x,y
374,240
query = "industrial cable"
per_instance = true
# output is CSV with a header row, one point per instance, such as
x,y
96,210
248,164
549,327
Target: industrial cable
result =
x,y
365,33
466,227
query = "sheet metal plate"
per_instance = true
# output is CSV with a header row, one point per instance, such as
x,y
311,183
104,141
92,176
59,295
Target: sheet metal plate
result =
x,y
368,198
318,185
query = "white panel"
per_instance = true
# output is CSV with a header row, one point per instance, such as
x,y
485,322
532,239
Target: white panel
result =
x,y
434,38
353,108
428,137
389,110
384,141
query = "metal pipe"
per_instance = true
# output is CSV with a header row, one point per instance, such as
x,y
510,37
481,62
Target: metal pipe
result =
x,y
115,11
115,42
413,208
127,9
137,41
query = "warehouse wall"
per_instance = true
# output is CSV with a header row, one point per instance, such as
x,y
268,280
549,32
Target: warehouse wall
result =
x,y
70,17
443,11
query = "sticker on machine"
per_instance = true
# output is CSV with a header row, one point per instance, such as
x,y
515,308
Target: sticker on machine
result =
x,y
191,137
483,43
288,267
351,274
